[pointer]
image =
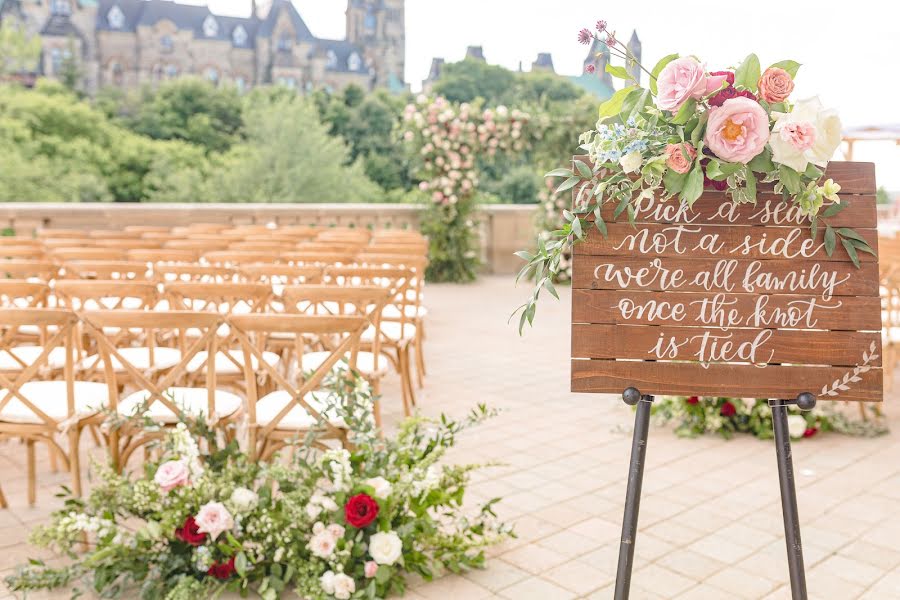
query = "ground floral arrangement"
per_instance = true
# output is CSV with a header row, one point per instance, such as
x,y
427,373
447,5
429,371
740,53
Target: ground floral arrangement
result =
x,y
330,524
694,129
693,416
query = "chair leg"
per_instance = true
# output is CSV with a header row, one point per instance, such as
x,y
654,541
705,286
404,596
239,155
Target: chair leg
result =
x,y
404,389
75,460
407,360
52,455
376,405
32,472
420,359
3,502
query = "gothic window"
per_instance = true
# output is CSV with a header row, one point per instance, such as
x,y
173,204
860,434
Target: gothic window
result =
x,y
55,60
285,42
117,73
210,26
166,44
60,7
239,36
354,63
212,75
115,17
288,82
370,21
331,60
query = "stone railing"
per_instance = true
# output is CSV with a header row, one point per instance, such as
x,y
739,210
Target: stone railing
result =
x,y
503,228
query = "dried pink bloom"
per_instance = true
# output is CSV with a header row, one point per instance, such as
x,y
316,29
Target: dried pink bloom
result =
x,y
601,25
585,36
611,39
590,69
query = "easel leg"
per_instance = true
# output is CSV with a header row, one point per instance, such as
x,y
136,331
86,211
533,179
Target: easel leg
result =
x,y
789,497
633,495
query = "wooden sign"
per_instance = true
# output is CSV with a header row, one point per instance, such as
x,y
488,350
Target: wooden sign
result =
x,y
730,300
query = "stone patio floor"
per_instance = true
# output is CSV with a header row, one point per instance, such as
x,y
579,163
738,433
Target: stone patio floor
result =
x,y
710,520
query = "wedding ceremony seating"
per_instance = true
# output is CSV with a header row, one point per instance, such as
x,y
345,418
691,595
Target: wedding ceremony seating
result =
x,y
102,324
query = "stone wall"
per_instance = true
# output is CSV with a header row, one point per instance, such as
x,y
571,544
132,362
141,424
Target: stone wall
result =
x,y
503,228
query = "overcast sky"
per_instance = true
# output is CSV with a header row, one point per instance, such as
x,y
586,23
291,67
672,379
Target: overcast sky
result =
x,y
849,50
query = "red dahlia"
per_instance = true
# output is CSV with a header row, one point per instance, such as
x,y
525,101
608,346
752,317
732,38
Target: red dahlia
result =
x,y
190,533
222,570
360,510
727,409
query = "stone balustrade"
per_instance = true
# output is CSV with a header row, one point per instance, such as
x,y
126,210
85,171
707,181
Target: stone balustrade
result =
x,y
503,228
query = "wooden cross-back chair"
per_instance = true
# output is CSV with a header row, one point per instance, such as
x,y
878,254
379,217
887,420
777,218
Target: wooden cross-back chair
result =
x,y
321,258
124,270
109,234
397,332
270,246
279,275
162,236
21,293
193,272
18,240
242,257
278,417
54,243
69,254
299,232
243,230
42,270
57,233
200,246
163,255
201,227
167,398
359,237
222,299
328,247
30,339
364,301
129,244
40,410
142,229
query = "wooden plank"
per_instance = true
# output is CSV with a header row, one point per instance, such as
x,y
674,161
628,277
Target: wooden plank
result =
x,y
853,177
743,243
791,311
715,208
712,345
672,378
725,275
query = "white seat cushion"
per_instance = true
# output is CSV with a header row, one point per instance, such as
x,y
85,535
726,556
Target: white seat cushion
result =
x,y
50,397
394,331
268,407
139,358
392,311
191,401
224,365
29,354
365,362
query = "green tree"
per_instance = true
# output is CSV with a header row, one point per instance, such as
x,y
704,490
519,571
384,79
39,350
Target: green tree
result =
x,y
289,157
469,79
70,70
18,52
191,110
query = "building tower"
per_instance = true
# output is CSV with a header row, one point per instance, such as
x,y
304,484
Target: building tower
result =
x,y
598,56
378,27
634,47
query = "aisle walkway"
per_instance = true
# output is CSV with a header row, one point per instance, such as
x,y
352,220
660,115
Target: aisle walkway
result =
x,y
710,518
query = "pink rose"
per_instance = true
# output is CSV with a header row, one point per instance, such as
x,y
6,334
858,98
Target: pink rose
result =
x,y
371,568
738,130
172,474
214,519
801,136
682,79
676,159
775,85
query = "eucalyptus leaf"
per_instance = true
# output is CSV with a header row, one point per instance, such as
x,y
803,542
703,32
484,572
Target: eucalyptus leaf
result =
x,y
747,74
830,240
863,246
813,227
568,184
560,173
583,170
849,233
658,69
851,252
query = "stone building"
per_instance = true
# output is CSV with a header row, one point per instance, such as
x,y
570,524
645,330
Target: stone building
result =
x,y
133,42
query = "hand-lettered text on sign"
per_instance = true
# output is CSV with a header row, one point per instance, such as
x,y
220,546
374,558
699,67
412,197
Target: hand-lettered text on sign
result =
x,y
730,300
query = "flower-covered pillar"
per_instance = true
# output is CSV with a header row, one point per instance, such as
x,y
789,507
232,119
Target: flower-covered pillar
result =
x,y
448,143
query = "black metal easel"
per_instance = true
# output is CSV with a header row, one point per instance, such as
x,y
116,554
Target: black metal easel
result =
x,y
632,396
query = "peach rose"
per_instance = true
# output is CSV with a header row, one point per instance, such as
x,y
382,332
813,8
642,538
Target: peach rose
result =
x,y
775,85
676,159
172,474
738,130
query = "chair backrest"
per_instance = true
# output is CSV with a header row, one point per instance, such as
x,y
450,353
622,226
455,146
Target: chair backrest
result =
x,y
106,269
129,244
18,240
49,233
201,227
97,294
59,327
169,325
352,236
65,242
221,298
272,245
165,272
164,255
252,332
142,229
28,269
400,281
20,293
242,257
70,254
111,234
300,232
26,252
280,274
200,246
324,259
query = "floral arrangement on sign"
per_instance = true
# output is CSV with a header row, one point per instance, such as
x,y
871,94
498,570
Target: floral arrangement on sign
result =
x,y
694,416
693,129
334,524
446,144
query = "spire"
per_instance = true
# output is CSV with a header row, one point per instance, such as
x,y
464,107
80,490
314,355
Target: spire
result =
x,y
634,47
598,56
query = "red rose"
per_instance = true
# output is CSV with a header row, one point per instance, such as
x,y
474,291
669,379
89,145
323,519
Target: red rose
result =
x,y
222,570
727,409
190,533
811,431
729,76
707,182
361,510
728,93
693,400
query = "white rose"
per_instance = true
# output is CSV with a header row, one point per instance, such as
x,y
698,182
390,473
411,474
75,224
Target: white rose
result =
x,y
322,544
381,486
827,127
243,500
344,587
327,582
335,531
631,162
796,426
385,548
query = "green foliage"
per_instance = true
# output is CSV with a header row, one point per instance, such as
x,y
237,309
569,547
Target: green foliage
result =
x,y
468,80
882,196
19,52
518,185
452,242
288,157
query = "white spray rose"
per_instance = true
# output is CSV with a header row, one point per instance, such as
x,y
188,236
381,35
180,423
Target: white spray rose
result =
x,y
344,587
807,134
385,548
327,582
796,426
243,500
631,162
381,486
